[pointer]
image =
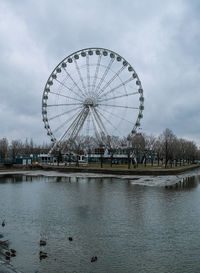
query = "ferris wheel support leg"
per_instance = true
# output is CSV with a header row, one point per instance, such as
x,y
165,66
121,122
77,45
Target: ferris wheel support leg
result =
x,y
79,124
103,133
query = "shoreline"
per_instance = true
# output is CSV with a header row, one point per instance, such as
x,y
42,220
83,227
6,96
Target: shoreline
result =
x,y
103,171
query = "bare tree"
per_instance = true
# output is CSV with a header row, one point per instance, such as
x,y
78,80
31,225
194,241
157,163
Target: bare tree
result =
x,y
15,148
159,149
149,149
76,146
138,146
167,140
191,149
3,148
113,144
176,150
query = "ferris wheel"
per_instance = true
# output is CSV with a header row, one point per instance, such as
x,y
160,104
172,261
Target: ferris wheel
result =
x,y
92,92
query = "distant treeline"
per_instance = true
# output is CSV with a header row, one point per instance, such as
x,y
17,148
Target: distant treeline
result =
x,y
166,148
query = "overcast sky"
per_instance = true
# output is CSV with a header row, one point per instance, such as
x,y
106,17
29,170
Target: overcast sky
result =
x,y
160,39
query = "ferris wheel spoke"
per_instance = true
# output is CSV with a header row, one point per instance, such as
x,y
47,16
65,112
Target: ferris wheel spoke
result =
x,y
121,118
88,124
121,96
70,89
107,120
104,75
64,113
74,82
61,95
80,76
97,126
98,122
66,122
119,106
63,104
98,136
88,73
79,124
76,122
112,79
117,87
96,72
71,126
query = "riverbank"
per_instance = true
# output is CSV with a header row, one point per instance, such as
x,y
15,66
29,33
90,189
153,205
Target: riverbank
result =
x,y
111,171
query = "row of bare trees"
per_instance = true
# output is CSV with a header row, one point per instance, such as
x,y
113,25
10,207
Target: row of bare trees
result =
x,y
166,149
17,147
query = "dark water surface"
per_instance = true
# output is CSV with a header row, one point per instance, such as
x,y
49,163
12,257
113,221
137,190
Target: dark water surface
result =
x,y
130,228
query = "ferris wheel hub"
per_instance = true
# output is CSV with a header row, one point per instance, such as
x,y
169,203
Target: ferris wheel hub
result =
x,y
90,102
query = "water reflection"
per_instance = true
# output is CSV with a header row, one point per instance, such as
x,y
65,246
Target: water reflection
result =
x,y
130,228
12,179
187,183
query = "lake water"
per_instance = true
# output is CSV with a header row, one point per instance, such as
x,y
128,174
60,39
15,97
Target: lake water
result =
x,y
129,227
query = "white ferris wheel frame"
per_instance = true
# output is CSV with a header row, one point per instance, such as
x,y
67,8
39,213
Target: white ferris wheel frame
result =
x,y
90,103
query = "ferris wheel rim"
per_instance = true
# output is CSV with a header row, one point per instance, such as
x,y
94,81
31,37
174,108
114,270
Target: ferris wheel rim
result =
x,y
87,50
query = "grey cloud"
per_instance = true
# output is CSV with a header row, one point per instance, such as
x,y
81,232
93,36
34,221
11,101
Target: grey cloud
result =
x,y
160,39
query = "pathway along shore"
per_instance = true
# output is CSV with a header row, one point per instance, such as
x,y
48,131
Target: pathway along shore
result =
x,y
147,171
